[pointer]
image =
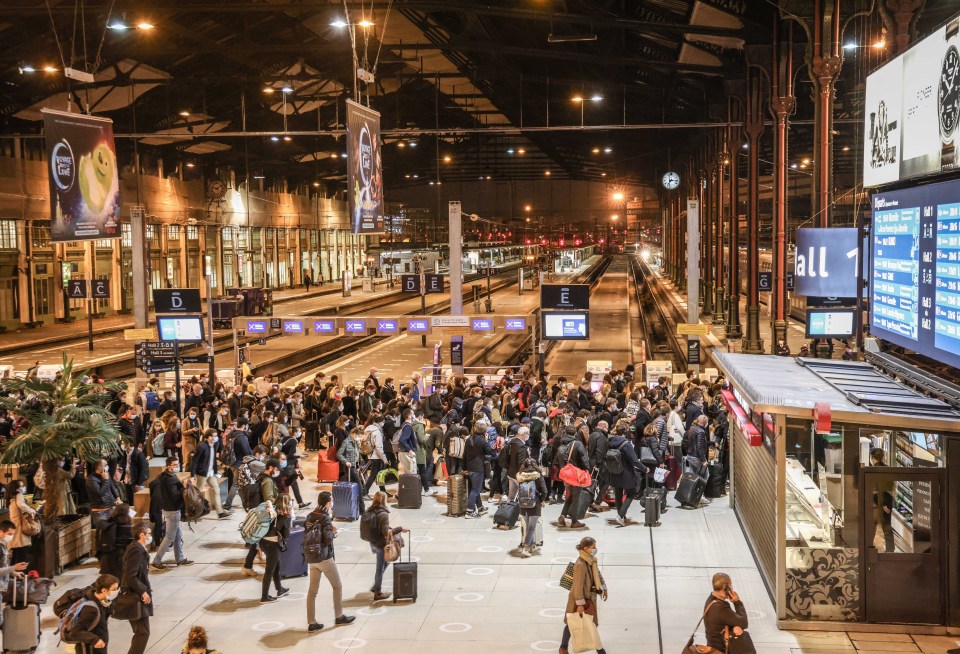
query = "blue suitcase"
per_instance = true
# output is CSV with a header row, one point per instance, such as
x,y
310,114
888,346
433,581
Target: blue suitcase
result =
x,y
346,500
292,563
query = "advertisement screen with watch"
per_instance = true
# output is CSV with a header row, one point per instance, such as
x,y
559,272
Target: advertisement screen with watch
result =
x,y
913,111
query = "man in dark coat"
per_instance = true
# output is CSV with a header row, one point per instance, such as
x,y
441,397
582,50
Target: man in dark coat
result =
x,y
135,580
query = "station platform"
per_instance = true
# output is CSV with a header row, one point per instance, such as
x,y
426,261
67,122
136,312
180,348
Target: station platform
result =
x,y
475,596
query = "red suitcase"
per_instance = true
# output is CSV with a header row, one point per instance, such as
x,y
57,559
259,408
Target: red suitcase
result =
x,y
673,476
328,469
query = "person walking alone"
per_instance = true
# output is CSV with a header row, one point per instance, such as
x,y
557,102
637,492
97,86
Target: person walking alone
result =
x,y
319,554
379,515
588,583
135,589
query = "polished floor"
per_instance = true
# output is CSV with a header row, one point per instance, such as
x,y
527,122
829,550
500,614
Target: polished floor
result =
x,y
474,594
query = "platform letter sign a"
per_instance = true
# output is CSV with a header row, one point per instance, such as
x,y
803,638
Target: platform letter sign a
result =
x,y
77,289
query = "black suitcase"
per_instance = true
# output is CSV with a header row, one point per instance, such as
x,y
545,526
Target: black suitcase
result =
x,y
690,490
582,497
660,494
409,494
651,510
292,563
507,515
717,483
456,495
405,578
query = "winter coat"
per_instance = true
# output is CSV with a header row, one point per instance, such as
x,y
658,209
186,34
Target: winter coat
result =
x,y
18,509
580,457
542,491
476,451
627,478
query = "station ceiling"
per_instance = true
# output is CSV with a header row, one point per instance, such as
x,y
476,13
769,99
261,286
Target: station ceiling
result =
x,y
468,90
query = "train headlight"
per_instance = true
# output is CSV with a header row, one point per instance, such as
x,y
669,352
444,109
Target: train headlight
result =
x,y
645,255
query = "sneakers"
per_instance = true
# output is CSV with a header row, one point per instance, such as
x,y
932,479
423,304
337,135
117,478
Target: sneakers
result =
x,y
346,619
249,572
525,553
315,626
184,562
482,510
379,597
305,505
221,516
471,514
267,599
621,521
283,591
577,525
158,567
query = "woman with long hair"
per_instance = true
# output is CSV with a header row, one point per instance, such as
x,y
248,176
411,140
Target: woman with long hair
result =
x,y
383,531
197,642
270,545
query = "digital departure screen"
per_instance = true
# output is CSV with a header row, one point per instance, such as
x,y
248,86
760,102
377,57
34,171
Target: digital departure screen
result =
x,y
915,270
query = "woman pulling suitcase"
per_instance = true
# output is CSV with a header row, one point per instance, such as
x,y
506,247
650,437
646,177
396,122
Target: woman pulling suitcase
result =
x,y
375,528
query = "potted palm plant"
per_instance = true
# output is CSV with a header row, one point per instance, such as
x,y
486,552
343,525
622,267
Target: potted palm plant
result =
x,y
65,417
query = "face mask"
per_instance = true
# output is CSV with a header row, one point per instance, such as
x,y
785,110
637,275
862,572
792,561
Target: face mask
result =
x,y
193,416
8,539
23,490
112,595
176,470
216,439
593,552
276,474
283,464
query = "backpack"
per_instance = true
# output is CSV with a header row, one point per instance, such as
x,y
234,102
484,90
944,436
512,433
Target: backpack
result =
x,y
527,495
68,621
366,444
370,530
251,495
456,445
228,457
244,474
314,550
256,525
195,505
614,459
65,601
153,400
157,444
503,459
451,418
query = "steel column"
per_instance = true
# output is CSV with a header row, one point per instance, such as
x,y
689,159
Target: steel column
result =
x,y
732,294
782,104
718,278
752,343
824,62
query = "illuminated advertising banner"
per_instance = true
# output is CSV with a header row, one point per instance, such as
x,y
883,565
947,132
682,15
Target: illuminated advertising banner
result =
x,y
364,169
84,185
912,111
915,270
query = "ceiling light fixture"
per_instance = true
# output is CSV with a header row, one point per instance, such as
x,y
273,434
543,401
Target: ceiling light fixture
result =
x,y
316,185
850,46
401,144
595,150
185,113
576,98
27,69
880,44
118,26
608,150
144,26
596,97
274,138
190,165
286,138
258,176
570,38
339,23
846,148
510,150
521,151
49,69
407,176
746,146
488,177
617,196
365,23
603,174
413,144
547,173
287,89
447,159
793,165
343,155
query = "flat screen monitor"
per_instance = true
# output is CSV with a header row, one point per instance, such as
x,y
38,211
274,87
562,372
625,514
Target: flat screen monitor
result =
x,y
293,327
355,326
830,323
515,324
256,326
324,326
565,325
418,325
180,328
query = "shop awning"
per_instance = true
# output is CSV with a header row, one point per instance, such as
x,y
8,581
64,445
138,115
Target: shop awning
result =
x,y
740,414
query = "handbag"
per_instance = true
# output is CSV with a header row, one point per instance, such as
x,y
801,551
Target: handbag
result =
x,y
391,550
584,636
647,457
690,648
126,606
566,579
30,524
660,475
571,475
742,644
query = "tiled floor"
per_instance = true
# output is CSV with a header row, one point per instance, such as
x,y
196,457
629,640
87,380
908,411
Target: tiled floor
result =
x,y
474,596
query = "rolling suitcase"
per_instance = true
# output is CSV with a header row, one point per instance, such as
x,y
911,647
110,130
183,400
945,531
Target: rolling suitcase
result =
x,y
21,627
409,495
717,482
457,495
690,490
673,476
405,578
292,563
507,515
651,509
581,502
346,500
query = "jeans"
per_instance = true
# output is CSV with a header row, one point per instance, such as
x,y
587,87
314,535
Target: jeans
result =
x,y
529,524
317,570
476,485
234,474
173,536
570,496
141,635
382,564
251,556
376,465
624,500
213,483
295,487
271,550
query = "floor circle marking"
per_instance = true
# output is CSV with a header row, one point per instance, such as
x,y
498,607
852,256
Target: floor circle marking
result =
x,y
479,572
455,627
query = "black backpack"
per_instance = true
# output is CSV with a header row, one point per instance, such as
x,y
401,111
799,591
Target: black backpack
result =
x,y
614,459
503,459
369,529
314,549
251,495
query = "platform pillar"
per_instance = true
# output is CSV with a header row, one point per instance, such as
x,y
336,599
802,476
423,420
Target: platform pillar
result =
x,y
782,104
732,294
754,128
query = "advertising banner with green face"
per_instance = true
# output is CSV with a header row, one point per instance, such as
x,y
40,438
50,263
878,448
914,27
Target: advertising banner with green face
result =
x,y
84,184
364,169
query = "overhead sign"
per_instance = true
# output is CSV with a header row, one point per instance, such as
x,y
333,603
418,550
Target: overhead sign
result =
x,y
84,184
324,326
410,283
450,321
293,327
565,325
154,349
434,283
657,369
515,324
765,280
387,326
180,328
355,326
693,350
256,326
418,325
456,353
565,297
139,334
827,262
830,323
77,289
686,329
912,111
813,301
177,300
481,324
100,289
364,169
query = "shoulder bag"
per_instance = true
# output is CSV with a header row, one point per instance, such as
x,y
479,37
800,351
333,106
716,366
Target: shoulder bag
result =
x,y
391,551
690,648
742,644
571,475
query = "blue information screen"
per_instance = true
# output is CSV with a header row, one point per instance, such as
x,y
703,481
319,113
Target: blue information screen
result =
x,y
387,326
324,326
256,326
482,324
515,324
292,326
355,326
418,325
915,270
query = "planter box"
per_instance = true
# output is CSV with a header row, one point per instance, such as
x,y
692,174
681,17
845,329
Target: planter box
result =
x,y
64,544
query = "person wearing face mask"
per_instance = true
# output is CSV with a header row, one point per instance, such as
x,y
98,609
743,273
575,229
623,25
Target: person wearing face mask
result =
x,y
90,630
190,432
171,504
319,554
136,468
135,598
169,403
348,453
377,459
233,402
588,583
102,494
204,468
366,403
7,570
20,512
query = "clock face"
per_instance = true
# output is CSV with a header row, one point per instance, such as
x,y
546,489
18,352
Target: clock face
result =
x,y
671,181
949,92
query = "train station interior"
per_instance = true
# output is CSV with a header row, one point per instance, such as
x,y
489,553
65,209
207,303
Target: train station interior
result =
x,y
642,316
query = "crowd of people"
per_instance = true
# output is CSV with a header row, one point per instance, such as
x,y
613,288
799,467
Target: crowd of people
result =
x,y
514,437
